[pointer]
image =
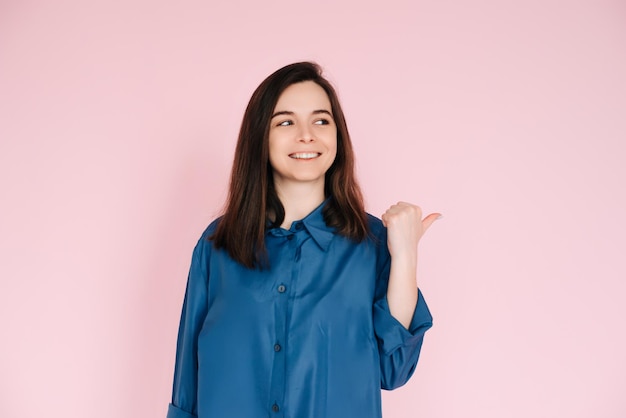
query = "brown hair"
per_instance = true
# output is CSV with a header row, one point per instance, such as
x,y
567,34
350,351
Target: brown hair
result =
x,y
251,197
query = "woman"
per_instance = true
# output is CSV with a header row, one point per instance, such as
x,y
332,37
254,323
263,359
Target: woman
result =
x,y
298,303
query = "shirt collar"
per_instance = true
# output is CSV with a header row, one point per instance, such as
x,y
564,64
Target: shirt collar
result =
x,y
314,224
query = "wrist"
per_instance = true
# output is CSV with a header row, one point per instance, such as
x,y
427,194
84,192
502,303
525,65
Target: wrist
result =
x,y
405,258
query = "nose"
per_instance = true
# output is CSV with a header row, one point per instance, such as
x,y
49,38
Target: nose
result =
x,y
305,135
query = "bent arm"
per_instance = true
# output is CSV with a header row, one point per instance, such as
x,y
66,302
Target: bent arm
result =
x,y
401,316
405,228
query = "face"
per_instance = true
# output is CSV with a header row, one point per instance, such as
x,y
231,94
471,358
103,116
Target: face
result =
x,y
303,135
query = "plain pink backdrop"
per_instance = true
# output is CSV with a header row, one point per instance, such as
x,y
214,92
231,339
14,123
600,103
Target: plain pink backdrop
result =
x,y
117,126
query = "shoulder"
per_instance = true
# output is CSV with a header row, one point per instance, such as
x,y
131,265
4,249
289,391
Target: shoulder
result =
x,y
378,237
210,230
204,244
376,227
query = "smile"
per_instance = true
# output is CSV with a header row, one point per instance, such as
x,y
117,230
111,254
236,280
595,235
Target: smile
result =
x,y
304,155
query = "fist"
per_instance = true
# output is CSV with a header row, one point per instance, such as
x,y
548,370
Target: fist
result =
x,y
405,228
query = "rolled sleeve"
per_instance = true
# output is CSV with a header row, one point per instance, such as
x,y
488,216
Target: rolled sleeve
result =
x,y
398,347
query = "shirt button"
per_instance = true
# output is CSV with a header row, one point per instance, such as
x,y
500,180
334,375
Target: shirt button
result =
x,y
277,347
299,226
281,288
289,237
275,408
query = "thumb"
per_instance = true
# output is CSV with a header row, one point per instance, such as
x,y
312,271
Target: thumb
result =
x,y
428,221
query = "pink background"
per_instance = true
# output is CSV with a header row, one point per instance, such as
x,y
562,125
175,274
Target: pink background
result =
x,y
118,121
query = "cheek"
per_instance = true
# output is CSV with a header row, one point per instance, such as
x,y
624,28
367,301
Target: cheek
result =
x,y
333,145
332,150
273,148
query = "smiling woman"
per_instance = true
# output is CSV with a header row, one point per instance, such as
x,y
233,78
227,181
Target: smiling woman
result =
x,y
299,303
253,197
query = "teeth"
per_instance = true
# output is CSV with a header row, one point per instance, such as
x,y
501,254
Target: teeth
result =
x,y
305,155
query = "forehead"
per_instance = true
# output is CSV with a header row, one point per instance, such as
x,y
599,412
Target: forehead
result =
x,y
303,96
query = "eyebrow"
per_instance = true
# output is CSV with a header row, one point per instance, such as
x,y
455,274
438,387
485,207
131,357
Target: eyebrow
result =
x,y
290,113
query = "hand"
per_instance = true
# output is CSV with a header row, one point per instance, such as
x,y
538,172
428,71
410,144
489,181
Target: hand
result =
x,y
405,228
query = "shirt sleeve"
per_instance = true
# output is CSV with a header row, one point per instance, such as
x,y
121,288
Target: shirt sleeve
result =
x,y
184,394
398,347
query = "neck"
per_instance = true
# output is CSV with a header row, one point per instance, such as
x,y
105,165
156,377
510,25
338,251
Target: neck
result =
x,y
299,199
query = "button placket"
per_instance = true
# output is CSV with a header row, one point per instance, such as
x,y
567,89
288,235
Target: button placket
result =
x,y
281,312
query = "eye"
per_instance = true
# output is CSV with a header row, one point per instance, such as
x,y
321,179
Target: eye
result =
x,y
322,122
285,123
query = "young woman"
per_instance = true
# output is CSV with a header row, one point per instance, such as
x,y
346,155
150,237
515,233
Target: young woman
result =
x,y
298,303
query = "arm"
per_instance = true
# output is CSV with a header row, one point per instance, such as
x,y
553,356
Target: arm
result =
x,y
401,316
405,227
184,402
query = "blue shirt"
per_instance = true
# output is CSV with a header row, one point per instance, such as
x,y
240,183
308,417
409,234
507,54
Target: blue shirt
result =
x,y
309,337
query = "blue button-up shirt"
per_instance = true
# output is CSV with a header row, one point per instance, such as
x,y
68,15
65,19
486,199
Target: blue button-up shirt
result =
x,y
309,337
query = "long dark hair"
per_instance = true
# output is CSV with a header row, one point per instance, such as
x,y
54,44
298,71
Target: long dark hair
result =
x,y
251,196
